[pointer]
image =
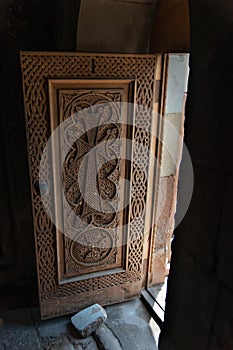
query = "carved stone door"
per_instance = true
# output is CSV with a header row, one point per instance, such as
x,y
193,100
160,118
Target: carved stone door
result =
x,y
91,228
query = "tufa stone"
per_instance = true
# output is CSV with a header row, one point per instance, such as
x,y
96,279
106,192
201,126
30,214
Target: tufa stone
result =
x,y
106,339
89,319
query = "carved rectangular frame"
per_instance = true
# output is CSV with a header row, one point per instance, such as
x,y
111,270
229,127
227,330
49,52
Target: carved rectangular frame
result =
x,y
37,69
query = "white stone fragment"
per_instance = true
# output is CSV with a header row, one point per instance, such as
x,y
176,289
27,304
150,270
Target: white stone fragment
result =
x,y
89,319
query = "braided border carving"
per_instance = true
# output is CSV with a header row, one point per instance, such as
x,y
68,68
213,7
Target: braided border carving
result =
x,y
36,69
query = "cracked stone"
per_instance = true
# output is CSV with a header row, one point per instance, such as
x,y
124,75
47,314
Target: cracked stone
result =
x,y
105,339
88,320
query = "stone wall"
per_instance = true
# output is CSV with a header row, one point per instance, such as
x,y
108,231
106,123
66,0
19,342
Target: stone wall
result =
x,y
199,309
24,25
171,27
120,26
172,138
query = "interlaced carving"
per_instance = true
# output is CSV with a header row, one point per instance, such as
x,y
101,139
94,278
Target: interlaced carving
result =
x,y
36,69
92,247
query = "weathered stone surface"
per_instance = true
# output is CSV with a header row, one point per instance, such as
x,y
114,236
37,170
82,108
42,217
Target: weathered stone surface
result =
x,y
49,328
106,339
91,346
86,343
89,319
166,207
159,265
62,344
133,326
165,226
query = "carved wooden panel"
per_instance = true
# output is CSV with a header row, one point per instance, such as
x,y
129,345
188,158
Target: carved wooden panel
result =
x,y
56,85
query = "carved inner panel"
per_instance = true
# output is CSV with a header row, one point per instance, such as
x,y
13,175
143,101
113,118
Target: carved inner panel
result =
x,y
96,246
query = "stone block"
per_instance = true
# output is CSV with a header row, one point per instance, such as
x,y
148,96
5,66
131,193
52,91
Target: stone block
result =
x,y
165,226
89,319
166,207
172,142
159,266
106,339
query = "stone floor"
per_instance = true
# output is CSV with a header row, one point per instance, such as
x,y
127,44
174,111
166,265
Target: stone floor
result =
x,y
128,326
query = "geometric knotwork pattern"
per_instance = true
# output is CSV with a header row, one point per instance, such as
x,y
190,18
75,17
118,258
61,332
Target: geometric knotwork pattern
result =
x,y
91,248
37,68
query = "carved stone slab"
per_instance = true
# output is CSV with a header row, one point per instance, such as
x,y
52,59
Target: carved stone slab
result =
x,y
55,85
